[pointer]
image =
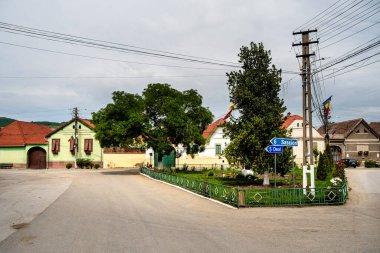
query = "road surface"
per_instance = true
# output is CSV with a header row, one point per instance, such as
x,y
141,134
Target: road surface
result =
x,y
122,211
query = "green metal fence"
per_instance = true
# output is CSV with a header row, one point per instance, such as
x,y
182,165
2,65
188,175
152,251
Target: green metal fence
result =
x,y
249,197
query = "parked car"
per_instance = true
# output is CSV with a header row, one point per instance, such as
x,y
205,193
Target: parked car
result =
x,y
350,162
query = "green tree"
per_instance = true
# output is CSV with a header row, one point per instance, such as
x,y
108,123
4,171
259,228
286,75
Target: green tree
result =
x,y
162,118
255,92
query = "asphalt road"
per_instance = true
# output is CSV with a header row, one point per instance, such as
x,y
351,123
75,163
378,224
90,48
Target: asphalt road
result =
x,y
122,211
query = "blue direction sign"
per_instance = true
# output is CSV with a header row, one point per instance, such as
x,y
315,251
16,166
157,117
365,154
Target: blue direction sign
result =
x,y
284,142
275,149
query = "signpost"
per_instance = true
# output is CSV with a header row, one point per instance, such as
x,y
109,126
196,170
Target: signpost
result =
x,y
287,142
277,148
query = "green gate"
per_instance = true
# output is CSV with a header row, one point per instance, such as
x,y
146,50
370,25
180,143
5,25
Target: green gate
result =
x,y
168,161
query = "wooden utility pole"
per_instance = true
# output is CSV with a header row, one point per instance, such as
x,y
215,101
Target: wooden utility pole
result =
x,y
75,115
308,157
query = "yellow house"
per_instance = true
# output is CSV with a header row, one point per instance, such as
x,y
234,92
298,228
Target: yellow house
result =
x,y
61,144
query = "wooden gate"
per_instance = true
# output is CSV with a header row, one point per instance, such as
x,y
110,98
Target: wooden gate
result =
x,y
37,158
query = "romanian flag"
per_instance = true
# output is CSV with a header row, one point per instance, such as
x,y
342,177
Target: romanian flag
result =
x,y
327,105
232,106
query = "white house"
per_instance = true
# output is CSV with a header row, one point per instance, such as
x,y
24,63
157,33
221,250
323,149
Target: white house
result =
x,y
294,123
212,156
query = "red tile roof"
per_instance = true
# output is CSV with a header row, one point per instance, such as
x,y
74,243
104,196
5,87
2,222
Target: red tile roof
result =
x,y
84,121
290,119
375,126
20,133
211,128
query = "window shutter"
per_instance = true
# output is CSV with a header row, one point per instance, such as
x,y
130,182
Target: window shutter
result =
x,y
55,146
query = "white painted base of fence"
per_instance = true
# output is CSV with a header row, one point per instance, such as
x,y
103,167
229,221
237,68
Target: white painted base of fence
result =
x,y
305,183
180,188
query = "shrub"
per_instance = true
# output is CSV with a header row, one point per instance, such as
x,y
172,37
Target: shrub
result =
x,y
321,168
69,166
339,171
185,167
97,166
370,164
239,176
84,163
210,174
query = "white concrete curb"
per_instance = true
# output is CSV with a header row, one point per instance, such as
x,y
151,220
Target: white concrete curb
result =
x,y
180,188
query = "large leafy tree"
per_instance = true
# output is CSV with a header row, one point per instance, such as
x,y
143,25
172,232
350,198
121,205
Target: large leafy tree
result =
x,y
162,118
255,91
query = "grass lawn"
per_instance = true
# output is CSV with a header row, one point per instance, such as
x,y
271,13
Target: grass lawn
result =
x,y
228,177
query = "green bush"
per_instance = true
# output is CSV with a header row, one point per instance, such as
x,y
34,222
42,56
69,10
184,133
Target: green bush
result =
x,y
239,176
69,166
210,174
322,167
370,164
97,166
84,163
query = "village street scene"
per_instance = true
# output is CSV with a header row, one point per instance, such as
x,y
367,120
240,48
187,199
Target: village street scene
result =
x,y
195,126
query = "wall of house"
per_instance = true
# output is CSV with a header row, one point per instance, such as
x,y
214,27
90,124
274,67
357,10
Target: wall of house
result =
x,y
361,139
123,160
297,133
65,156
216,138
15,155
200,162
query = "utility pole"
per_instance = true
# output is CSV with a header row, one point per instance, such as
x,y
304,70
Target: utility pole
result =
x,y
308,157
75,115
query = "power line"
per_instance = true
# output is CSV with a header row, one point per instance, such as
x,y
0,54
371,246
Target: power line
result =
x,y
348,56
102,58
337,27
108,42
351,70
333,43
107,46
315,17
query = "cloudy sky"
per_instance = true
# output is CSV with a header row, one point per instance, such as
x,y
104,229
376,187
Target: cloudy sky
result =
x,y
40,85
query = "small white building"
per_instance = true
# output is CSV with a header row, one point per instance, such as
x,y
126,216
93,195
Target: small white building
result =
x,y
294,124
212,156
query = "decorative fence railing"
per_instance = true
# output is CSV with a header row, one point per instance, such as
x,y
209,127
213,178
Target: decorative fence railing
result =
x,y
251,197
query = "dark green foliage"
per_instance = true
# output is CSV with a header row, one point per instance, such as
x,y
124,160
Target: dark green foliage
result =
x,y
163,117
5,121
69,166
370,164
239,176
322,168
84,163
97,166
255,92
326,165
210,174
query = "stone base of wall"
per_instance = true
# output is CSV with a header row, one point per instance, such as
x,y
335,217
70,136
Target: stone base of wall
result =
x,y
17,166
62,165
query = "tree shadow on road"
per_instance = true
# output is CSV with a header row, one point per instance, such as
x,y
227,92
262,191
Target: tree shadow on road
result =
x,y
122,172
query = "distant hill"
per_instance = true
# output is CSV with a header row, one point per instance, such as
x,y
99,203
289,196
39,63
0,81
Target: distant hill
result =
x,y
6,121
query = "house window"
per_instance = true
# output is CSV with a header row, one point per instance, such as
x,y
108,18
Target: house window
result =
x,y
72,146
218,149
298,124
88,143
55,146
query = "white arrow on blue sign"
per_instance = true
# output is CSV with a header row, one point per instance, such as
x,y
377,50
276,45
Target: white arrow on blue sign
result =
x,y
287,142
275,149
